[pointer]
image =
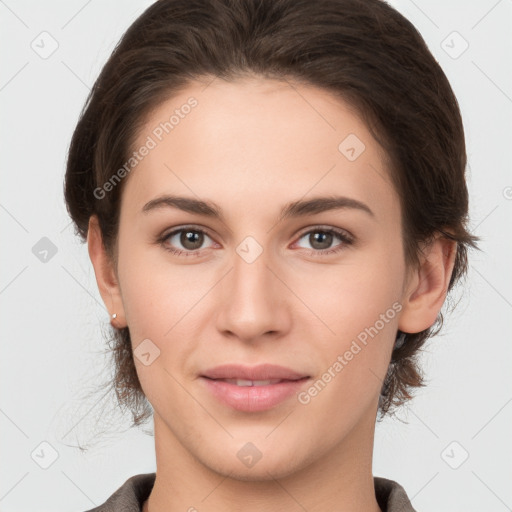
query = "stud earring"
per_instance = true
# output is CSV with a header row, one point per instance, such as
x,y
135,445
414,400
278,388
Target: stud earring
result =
x,y
114,316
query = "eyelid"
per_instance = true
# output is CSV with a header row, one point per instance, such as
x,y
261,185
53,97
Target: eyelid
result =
x,y
327,228
191,227
347,240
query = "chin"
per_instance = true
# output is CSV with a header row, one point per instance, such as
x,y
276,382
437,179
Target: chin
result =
x,y
260,472
245,462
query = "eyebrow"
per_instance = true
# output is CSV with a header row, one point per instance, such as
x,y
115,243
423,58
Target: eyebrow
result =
x,y
291,210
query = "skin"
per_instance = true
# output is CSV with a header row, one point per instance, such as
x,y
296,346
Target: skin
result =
x,y
251,146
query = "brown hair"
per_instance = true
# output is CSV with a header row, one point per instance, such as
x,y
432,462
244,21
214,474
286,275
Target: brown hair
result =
x,y
363,51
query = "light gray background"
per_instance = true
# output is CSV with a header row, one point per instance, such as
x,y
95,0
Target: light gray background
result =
x,y
52,314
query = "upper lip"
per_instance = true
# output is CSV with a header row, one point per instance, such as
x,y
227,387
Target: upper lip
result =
x,y
259,372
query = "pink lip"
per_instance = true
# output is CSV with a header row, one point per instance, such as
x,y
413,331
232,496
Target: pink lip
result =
x,y
253,398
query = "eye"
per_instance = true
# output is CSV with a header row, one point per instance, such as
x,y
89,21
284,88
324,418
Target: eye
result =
x,y
190,238
321,240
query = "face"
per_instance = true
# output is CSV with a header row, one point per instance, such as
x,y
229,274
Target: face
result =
x,y
315,289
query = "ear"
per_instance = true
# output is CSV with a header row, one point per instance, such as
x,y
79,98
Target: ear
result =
x,y
106,278
427,286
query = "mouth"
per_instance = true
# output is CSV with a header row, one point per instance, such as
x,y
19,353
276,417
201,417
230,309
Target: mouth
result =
x,y
245,383
258,373
252,389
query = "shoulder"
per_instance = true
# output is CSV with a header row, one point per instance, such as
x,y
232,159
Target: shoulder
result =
x,y
130,496
391,496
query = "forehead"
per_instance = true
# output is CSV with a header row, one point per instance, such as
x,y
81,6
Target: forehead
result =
x,y
253,142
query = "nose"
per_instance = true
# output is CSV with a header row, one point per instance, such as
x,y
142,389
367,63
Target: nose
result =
x,y
254,301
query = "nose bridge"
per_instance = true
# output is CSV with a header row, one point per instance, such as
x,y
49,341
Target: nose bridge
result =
x,y
251,303
251,274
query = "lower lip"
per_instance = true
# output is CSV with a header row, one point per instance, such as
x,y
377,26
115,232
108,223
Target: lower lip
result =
x,y
253,398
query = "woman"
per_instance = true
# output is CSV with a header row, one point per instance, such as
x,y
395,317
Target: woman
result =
x,y
274,200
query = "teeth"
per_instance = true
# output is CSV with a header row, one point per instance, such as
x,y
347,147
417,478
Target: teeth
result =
x,y
243,382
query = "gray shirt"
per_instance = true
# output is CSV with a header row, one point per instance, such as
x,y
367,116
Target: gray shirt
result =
x,y
390,495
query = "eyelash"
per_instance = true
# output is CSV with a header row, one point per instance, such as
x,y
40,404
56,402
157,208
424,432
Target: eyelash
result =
x,y
346,239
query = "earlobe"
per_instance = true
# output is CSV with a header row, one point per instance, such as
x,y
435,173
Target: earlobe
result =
x,y
106,278
428,286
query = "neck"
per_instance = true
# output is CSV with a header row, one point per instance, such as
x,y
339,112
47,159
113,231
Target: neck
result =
x,y
341,476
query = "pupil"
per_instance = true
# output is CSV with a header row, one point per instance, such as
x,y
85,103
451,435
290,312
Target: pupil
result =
x,y
325,239
193,238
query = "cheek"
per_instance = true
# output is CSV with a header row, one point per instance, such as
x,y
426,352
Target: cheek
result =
x,y
164,303
154,297
352,296
359,306
160,306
